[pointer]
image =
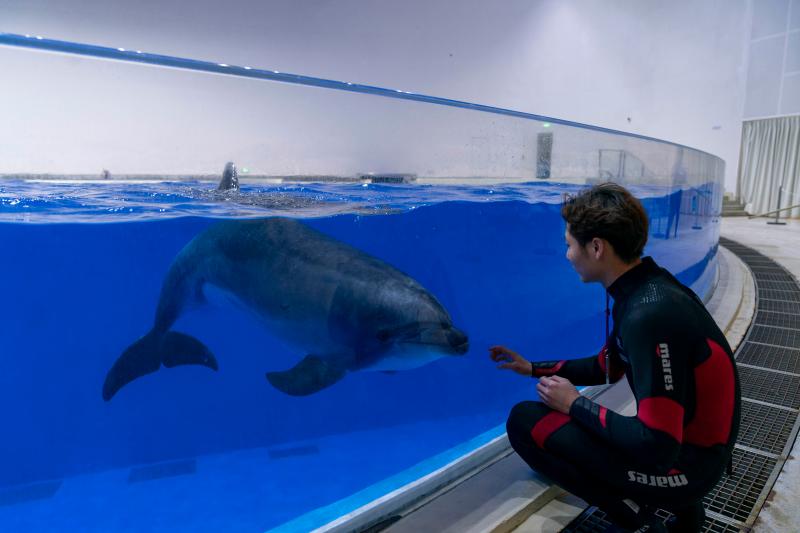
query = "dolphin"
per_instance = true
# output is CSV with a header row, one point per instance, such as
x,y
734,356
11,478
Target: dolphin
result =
x,y
348,310
230,178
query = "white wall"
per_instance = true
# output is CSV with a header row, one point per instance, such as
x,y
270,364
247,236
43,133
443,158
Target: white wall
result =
x,y
773,76
676,69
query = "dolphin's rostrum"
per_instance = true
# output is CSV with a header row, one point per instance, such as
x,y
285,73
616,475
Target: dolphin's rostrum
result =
x,y
348,310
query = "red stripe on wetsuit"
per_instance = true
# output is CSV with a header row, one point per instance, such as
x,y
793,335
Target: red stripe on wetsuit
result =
x,y
545,427
663,414
539,371
715,390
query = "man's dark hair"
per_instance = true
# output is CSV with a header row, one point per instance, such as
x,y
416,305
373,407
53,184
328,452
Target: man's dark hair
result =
x,y
608,211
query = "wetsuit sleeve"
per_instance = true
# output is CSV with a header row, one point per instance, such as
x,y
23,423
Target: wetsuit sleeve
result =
x,y
585,371
658,356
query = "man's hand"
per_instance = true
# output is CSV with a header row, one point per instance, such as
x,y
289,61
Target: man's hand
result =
x,y
557,393
511,360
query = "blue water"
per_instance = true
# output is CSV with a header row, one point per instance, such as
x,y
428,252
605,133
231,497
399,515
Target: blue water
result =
x,y
81,275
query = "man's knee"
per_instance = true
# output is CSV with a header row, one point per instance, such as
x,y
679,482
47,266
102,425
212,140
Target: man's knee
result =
x,y
523,417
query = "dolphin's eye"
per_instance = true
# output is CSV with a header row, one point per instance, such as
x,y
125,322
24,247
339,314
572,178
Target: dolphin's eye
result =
x,y
383,335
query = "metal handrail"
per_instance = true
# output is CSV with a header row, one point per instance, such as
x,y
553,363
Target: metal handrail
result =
x,y
768,213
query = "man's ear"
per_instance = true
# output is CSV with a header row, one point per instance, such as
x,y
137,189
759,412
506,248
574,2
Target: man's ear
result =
x,y
597,247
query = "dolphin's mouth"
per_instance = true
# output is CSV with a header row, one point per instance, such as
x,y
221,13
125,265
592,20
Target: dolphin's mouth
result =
x,y
459,342
446,339
462,348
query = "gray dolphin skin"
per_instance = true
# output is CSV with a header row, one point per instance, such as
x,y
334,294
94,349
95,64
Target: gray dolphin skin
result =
x,y
230,178
347,310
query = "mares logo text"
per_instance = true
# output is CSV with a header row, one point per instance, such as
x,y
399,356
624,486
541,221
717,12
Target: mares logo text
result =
x,y
662,351
677,480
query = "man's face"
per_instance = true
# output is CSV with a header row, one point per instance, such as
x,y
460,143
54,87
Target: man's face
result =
x,y
580,258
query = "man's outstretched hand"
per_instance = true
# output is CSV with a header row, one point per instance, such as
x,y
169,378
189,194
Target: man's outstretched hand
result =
x,y
557,393
510,360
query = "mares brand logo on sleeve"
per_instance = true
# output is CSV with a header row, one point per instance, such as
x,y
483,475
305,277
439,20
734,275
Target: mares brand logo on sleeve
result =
x,y
662,351
676,480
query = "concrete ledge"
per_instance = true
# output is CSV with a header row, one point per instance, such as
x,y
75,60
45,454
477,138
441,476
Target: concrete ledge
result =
x,y
733,302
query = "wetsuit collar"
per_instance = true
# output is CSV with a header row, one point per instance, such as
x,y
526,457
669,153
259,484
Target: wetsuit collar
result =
x,y
624,285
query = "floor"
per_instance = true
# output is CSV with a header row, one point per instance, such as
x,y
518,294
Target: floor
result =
x,y
782,243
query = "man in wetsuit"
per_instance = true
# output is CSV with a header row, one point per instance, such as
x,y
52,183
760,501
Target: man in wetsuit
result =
x,y
678,364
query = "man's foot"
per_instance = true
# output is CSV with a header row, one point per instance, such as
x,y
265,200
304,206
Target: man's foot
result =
x,y
687,520
644,518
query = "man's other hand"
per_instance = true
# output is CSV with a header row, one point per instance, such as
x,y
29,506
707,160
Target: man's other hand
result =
x,y
557,393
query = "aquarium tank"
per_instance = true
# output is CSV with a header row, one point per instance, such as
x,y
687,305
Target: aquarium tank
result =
x,y
276,351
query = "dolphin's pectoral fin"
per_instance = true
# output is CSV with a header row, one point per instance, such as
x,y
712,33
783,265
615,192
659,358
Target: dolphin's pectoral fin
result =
x,y
146,355
310,375
181,349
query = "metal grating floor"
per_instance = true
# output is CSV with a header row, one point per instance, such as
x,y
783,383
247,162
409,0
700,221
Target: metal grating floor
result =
x,y
770,387
769,357
735,496
767,431
765,428
772,278
776,336
782,320
783,296
770,273
779,306
786,285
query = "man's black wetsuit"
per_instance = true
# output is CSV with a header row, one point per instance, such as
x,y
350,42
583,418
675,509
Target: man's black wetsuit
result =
x,y
684,380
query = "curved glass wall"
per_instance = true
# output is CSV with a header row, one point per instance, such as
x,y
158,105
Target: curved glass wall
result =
x,y
323,308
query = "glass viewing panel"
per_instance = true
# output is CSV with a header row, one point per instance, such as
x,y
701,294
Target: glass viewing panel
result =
x,y
177,357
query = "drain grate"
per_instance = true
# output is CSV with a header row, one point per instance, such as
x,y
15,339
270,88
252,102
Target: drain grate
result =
x,y
765,428
781,320
754,258
769,357
784,286
776,336
736,496
778,306
774,273
713,526
784,296
758,262
770,387
769,270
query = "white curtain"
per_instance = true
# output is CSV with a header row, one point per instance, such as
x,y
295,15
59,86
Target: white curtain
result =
x,y
770,159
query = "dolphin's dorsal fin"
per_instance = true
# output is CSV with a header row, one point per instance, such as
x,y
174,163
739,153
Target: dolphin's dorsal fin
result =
x,y
310,375
230,178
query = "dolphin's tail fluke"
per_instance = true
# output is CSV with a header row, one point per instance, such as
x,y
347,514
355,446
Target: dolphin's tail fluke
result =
x,y
146,355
